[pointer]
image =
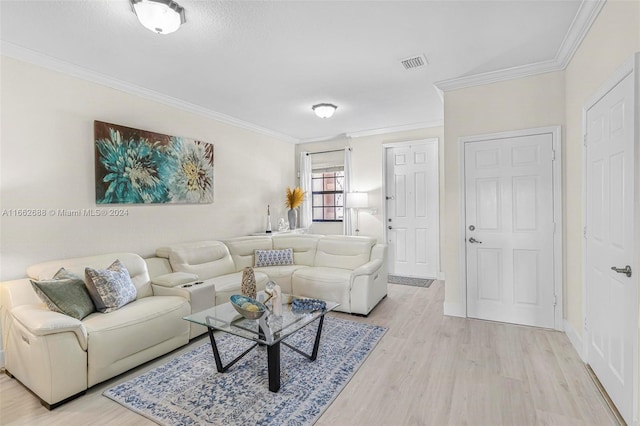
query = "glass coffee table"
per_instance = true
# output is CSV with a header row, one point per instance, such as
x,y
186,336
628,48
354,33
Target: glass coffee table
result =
x,y
269,331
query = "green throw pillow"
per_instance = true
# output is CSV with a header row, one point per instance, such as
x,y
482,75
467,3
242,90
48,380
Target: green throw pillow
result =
x,y
65,293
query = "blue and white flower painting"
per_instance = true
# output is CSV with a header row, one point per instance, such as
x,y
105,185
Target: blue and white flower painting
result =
x,y
141,167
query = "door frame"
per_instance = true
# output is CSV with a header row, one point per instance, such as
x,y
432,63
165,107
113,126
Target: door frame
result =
x,y
556,135
631,66
385,147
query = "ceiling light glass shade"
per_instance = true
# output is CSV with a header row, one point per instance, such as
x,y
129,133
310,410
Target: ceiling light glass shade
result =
x,y
357,200
324,110
159,16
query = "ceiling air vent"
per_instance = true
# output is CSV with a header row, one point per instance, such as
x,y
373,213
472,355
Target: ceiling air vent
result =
x,y
414,62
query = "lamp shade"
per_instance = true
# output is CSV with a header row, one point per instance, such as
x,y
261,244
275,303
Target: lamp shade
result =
x,y
356,200
159,16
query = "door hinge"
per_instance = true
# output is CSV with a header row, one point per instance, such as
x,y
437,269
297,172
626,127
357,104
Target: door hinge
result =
x,y
584,232
585,324
553,155
584,140
555,300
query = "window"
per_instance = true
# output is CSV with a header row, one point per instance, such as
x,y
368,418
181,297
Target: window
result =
x,y
328,196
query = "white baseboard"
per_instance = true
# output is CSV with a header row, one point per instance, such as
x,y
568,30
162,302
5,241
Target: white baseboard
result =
x,y
454,310
575,339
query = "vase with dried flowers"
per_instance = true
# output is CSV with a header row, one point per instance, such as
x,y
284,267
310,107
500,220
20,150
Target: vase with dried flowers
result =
x,y
295,197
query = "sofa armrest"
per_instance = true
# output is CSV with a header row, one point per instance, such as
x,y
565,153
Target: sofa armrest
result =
x,y
160,290
40,321
367,269
174,279
379,251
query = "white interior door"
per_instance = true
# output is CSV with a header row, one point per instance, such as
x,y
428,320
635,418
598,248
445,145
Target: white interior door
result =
x,y
412,208
611,296
509,220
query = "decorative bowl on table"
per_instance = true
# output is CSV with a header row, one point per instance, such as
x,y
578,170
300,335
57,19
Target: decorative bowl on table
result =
x,y
247,307
308,305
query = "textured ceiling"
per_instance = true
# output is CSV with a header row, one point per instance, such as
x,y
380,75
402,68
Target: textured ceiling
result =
x,y
266,62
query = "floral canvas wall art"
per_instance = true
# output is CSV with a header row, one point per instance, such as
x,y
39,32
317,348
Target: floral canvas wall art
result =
x,y
140,167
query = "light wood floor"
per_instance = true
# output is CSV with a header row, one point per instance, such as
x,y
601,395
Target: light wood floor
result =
x,y
428,369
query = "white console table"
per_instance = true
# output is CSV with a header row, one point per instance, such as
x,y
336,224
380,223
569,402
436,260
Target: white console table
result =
x,y
290,231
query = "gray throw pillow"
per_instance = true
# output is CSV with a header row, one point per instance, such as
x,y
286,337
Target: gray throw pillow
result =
x,y
65,293
110,288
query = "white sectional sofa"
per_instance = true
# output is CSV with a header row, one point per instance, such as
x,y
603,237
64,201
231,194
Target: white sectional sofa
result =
x,y
346,269
58,357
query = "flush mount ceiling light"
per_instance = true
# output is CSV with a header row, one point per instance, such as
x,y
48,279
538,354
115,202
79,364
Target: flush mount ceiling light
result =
x,y
159,16
324,110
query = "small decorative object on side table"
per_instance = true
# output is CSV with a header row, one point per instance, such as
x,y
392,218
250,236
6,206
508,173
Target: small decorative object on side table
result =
x,y
282,226
268,231
293,201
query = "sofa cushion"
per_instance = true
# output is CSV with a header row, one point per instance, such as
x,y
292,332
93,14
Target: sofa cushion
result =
x,y
119,340
242,249
273,257
324,283
136,266
347,252
110,288
206,259
65,293
281,275
304,246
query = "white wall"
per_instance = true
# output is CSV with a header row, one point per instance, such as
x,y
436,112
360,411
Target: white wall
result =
x,y
612,40
536,101
47,162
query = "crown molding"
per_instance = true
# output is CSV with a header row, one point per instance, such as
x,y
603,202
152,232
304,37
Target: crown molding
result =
x,y
396,129
497,76
324,138
26,55
374,132
586,15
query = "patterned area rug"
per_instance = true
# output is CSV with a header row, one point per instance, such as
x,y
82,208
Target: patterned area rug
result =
x,y
416,282
189,390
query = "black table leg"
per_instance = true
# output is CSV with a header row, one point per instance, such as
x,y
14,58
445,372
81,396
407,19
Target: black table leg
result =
x,y
216,354
273,363
316,345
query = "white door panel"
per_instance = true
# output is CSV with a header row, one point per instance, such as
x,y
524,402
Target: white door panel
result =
x,y
610,225
509,211
412,209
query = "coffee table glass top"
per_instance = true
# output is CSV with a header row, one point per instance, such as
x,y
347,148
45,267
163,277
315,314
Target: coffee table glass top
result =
x,y
269,329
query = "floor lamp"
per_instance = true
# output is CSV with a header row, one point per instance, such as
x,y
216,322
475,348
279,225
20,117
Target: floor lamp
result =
x,y
357,201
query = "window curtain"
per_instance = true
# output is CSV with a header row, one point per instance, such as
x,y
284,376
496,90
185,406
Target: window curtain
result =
x,y
306,218
346,223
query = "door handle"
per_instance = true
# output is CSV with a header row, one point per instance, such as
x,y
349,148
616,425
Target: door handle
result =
x,y
390,227
626,270
474,241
